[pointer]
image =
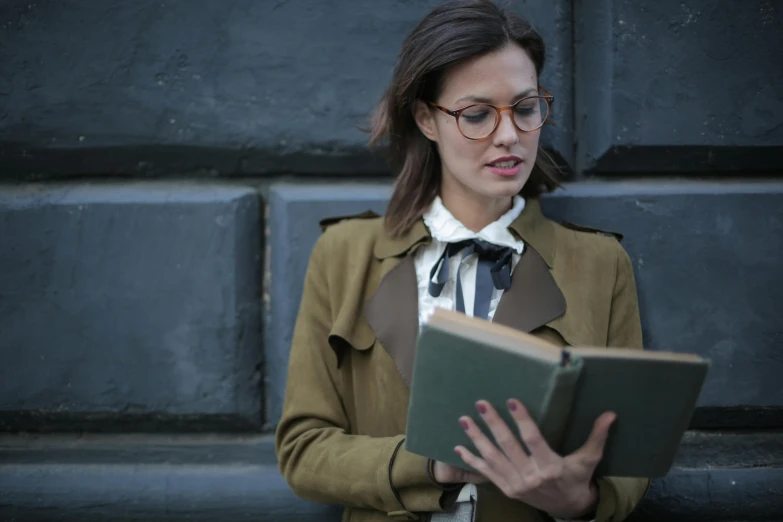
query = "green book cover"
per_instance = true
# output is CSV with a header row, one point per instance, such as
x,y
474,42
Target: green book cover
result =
x,y
460,360
652,393
456,365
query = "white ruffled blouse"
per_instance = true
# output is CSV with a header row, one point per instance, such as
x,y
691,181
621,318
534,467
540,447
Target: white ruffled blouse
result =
x,y
445,228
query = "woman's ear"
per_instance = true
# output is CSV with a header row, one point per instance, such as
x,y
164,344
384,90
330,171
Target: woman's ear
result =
x,y
425,120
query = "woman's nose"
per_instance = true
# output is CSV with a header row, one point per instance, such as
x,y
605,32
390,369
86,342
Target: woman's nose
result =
x,y
506,133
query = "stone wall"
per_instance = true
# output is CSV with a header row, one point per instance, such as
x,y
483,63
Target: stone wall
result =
x,y
163,167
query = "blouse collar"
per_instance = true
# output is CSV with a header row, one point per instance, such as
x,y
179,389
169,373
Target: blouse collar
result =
x,y
444,227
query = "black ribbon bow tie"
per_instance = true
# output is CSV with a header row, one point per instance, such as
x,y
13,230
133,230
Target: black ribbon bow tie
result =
x,y
493,270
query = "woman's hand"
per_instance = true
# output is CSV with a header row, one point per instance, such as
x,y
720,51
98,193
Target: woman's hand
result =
x,y
448,474
560,486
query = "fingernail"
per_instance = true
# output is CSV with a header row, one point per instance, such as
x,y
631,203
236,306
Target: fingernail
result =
x,y
458,452
464,424
512,405
482,409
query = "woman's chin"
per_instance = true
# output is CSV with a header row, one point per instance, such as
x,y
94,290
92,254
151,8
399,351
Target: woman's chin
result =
x,y
498,194
504,188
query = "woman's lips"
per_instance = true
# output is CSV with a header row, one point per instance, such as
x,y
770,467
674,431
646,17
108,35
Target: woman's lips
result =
x,y
506,171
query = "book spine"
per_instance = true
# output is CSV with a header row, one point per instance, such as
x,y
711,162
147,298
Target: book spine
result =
x,y
557,404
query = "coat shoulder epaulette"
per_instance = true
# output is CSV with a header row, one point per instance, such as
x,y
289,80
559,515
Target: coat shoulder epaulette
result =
x,y
591,230
327,222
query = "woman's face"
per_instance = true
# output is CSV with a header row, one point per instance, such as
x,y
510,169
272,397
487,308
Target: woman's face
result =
x,y
470,167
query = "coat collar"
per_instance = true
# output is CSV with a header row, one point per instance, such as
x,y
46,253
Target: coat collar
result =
x,y
389,246
531,227
533,300
536,231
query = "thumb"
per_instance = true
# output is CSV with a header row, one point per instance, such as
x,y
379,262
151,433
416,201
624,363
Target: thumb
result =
x,y
592,451
471,477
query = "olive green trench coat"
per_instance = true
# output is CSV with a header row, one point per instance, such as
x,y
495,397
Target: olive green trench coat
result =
x,y
343,423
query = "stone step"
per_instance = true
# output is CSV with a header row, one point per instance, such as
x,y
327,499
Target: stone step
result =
x,y
718,476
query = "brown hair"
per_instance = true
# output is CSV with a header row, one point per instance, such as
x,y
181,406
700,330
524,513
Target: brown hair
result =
x,y
450,34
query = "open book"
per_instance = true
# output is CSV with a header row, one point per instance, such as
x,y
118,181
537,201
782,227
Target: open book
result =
x,y
460,360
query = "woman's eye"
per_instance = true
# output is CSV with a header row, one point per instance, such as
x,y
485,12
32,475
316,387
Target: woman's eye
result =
x,y
475,116
526,110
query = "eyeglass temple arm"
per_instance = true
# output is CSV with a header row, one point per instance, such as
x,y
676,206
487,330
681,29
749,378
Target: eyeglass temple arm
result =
x,y
444,109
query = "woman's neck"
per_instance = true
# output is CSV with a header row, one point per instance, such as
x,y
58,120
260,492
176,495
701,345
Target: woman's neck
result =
x,y
475,212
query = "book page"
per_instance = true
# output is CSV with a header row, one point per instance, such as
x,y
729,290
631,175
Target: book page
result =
x,y
494,334
631,353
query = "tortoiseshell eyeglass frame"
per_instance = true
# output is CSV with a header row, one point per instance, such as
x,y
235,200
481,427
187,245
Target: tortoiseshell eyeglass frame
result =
x,y
546,96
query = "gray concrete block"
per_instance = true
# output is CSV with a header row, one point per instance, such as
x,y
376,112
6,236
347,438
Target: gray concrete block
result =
x,y
674,87
149,477
706,495
157,478
153,493
129,306
208,89
98,493
294,213
706,257
719,449
707,262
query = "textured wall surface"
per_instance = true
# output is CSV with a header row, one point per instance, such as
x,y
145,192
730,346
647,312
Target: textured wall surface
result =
x,y
152,88
674,87
700,290
123,306
716,477
706,257
69,243
142,299
200,87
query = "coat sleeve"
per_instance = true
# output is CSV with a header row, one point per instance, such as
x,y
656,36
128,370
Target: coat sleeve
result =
x,y
619,496
317,455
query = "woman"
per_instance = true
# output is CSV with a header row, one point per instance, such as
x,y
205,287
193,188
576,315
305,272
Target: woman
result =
x,y
462,118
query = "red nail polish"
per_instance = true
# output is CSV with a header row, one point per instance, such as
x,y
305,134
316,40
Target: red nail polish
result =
x,y
457,451
482,409
512,405
464,424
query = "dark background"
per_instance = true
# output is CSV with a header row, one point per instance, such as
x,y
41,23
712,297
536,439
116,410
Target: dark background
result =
x,y
163,166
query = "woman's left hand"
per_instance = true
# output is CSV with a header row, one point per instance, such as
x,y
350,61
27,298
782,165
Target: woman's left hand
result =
x,y
561,486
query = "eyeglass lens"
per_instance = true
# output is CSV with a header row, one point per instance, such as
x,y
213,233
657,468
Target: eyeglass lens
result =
x,y
480,120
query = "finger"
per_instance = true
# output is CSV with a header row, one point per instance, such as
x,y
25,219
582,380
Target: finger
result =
x,y
485,471
592,451
471,477
504,437
540,451
490,454
448,474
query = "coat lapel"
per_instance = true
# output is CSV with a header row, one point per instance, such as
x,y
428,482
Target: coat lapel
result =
x,y
534,298
393,314
393,310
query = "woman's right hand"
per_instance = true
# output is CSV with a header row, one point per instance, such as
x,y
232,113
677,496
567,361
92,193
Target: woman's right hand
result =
x,y
448,474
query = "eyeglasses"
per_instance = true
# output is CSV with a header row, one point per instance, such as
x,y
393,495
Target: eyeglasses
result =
x,y
479,120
